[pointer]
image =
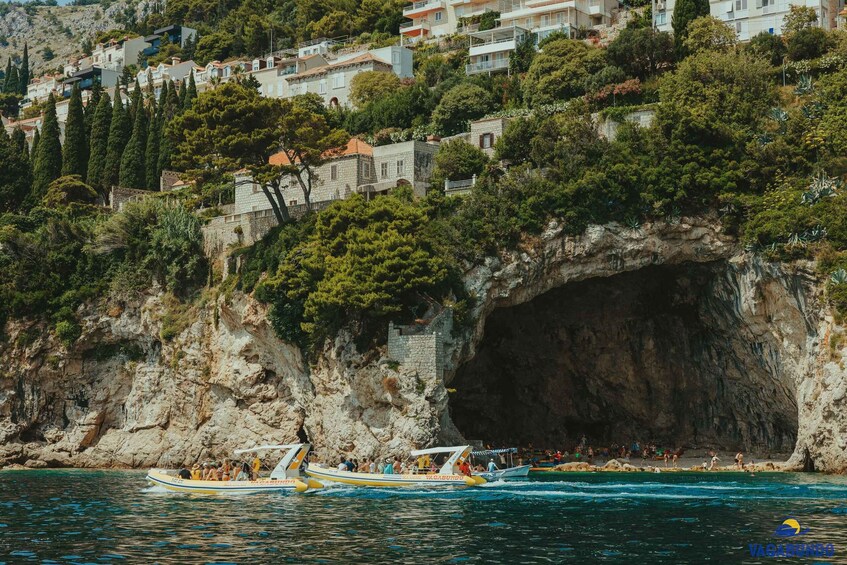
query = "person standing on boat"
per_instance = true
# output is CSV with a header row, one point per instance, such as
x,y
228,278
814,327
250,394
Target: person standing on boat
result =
x,y
389,468
492,466
257,466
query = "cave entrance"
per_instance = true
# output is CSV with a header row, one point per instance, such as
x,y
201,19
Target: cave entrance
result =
x,y
655,355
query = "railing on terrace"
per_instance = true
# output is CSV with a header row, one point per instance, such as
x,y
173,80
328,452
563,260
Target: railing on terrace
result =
x,y
459,186
487,66
422,4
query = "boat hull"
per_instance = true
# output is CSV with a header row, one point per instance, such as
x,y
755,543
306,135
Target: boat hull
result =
x,y
520,472
382,480
173,483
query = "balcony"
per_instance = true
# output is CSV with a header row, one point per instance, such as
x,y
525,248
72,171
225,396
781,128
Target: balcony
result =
x,y
529,8
487,66
495,40
423,7
414,28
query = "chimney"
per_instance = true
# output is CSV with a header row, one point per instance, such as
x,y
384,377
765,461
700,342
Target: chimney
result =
x,y
176,60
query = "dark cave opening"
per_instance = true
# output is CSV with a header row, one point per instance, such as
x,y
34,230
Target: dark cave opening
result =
x,y
659,354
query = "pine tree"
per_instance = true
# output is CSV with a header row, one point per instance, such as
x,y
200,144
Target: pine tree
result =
x,y
133,173
99,143
36,137
75,149
190,93
24,77
119,129
684,12
47,165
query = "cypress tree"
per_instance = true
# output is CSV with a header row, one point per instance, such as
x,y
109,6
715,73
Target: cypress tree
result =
x,y
36,137
119,128
75,149
151,154
47,166
183,91
7,75
11,84
99,143
24,77
191,92
164,149
172,106
19,142
134,101
133,174
16,179
684,12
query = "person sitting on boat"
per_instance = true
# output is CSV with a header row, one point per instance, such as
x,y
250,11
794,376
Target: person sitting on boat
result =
x,y
465,468
184,474
225,470
350,466
196,475
398,466
389,468
372,466
244,473
492,466
342,466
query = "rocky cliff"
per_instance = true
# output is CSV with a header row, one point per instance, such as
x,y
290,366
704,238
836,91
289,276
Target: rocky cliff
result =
x,y
668,332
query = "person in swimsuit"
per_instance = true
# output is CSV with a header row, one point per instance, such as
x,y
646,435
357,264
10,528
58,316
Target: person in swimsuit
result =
x,y
739,460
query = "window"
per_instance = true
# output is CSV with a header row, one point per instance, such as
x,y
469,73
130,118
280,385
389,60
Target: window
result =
x,y
661,18
384,171
486,140
740,4
292,203
395,58
338,80
366,170
545,20
438,16
322,87
400,168
333,172
738,27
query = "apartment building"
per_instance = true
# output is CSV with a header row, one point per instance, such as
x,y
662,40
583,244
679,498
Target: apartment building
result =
x,y
751,17
176,34
332,81
176,70
116,54
489,50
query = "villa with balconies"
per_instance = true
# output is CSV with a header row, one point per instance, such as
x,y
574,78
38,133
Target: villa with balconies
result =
x,y
750,17
489,50
544,17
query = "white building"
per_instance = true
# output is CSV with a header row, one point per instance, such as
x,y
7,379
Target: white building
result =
x,y
750,17
40,88
177,71
118,53
319,69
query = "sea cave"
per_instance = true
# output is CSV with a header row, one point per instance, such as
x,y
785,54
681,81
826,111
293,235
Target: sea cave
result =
x,y
661,354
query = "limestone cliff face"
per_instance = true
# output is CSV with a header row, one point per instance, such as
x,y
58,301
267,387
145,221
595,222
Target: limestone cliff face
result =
x,y
669,329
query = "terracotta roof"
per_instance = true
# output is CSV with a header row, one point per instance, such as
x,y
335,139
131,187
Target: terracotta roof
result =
x,y
361,59
354,147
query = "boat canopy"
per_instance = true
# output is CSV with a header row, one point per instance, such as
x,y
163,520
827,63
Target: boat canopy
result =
x,y
266,448
289,465
490,452
434,450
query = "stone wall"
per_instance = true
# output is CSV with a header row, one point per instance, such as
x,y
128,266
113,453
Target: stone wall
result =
x,y
119,197
421,347
608,128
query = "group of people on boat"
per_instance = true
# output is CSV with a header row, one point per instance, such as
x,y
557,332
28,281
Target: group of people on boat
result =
x,y
226,471
422,465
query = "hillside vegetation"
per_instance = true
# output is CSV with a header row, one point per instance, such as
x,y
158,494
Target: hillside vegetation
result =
x,y
728,139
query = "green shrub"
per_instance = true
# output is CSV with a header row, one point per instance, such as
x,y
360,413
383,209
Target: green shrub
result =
x,y
68,332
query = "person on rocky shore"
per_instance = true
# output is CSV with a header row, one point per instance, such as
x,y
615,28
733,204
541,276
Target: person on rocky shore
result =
x,y
715,460
739,460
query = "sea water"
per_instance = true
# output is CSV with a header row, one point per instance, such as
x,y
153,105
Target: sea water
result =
x,y
114,517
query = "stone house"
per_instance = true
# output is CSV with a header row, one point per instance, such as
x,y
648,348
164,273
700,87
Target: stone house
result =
x,y
358,168
483,133
408,162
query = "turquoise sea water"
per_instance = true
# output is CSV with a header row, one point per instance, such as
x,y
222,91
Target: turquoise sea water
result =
x,y
113,517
